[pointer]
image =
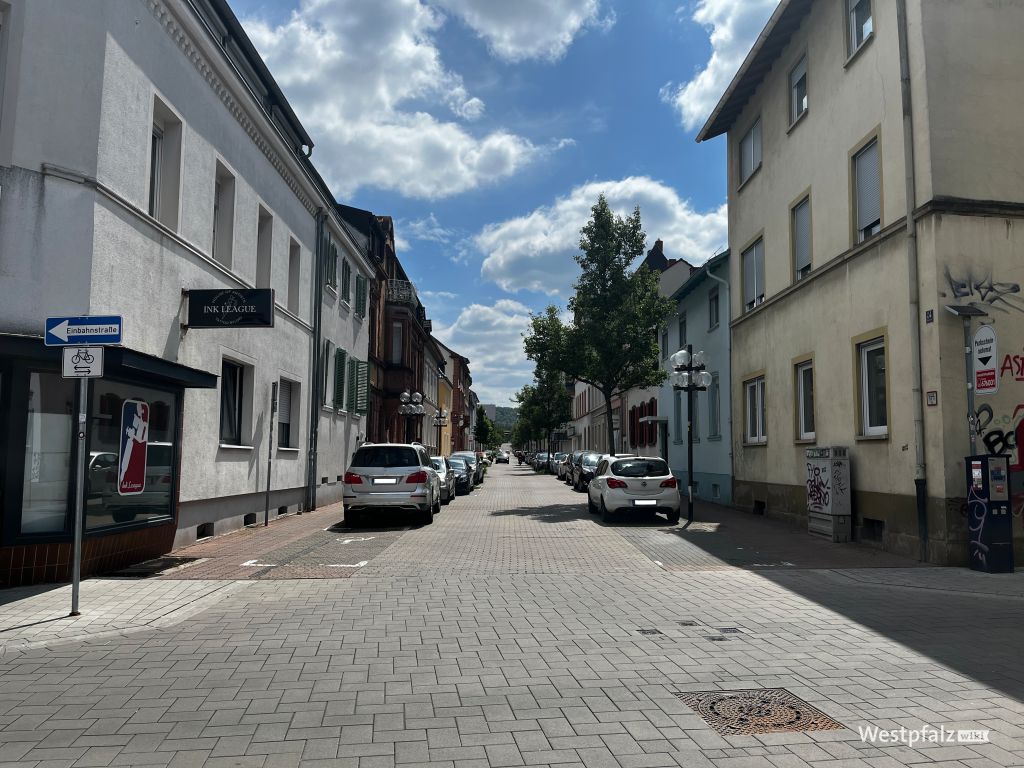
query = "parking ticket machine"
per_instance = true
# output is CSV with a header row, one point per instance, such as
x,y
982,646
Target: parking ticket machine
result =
x,y
989,514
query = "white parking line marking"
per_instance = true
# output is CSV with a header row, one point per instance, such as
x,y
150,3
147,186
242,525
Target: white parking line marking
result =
x,y
357,565
254,564
349,541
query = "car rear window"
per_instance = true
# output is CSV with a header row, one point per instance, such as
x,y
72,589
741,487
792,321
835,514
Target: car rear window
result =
x,y
640,468
457,462
589,460
386,456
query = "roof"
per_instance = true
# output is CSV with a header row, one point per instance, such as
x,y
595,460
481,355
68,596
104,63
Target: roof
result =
x,y
766,49
698,277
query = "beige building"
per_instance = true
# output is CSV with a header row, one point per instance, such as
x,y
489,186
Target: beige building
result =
x,y
836,316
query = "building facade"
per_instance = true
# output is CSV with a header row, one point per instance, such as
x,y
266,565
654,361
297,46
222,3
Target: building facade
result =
x,y
855,225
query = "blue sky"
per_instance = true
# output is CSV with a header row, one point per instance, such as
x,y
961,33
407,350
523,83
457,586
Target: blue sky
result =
x,y
486,129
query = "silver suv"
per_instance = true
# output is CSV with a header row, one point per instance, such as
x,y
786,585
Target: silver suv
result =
x,y
391,477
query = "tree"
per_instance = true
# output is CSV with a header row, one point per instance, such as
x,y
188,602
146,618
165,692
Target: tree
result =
x,y
611,343
544,405
482,428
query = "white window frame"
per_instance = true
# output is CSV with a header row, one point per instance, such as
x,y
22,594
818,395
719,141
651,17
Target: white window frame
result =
x,y
863,233
851,20
804,271
796,109
760,432
714,308
758,297
866,429
801,396
754,134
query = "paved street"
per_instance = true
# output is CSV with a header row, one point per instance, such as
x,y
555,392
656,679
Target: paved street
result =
x,y
516,630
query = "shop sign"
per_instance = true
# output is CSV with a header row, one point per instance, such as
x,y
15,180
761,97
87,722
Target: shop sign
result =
x,y
231,308
131,463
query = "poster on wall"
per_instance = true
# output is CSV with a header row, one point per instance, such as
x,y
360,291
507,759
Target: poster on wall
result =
x,y
986,358
131,464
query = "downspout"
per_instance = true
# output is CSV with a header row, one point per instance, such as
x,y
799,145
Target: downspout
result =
x,y
316,397
728,361
920,476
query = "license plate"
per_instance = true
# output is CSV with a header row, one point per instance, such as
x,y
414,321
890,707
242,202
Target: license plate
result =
x,y
384,481
645,503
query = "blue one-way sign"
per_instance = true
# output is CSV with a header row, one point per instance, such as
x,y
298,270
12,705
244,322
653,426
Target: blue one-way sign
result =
x,y
98,329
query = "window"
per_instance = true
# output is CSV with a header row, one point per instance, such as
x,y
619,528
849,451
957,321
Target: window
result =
x,y
284,414
798,90
294,274
361,287
331,260
682,330
753,275
664,343
713,308
223,215
264,247
339,378
346,280
874,418
756,431
396,343
231,376
860,22
359,386
868,198
164,165
802,238
714,408
328,367
48,452
805,400
750,152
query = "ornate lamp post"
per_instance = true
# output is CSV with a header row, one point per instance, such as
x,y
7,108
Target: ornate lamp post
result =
x,y
411,406
689,377
441,422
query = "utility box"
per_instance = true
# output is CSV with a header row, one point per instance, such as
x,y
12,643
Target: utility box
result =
x,y
989,514
828,492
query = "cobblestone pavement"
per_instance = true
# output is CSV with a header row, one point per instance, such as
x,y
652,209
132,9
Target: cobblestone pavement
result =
x,y
517,630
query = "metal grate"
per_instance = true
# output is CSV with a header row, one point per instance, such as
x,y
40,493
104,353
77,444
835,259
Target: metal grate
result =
x,y
649,631
768,710
717,638
687,623
728,630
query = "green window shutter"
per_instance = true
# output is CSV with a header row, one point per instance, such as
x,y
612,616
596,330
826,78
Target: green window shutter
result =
x,y
339,379
353,383
327,369
361,295
346,279
363,395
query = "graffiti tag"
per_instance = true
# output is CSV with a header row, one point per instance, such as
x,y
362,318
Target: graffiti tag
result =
x,y
977,512
984,293
817,488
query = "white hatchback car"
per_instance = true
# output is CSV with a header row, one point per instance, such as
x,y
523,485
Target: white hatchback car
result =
x,y
625,483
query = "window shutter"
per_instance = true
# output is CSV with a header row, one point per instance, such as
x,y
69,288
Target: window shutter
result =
x,y
802,234
339,378
749,281
759,269
346,279
284,403
361,283
746,157
353,383
363,395
868,202
327,372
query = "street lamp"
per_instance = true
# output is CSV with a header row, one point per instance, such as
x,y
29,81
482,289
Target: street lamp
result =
x,y
442,421
410,409
689,377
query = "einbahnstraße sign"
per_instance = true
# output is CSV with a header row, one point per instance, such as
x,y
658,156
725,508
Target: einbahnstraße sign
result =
x,y
231,308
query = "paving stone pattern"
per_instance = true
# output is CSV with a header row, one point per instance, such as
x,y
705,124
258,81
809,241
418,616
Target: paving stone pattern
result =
x,y
508,633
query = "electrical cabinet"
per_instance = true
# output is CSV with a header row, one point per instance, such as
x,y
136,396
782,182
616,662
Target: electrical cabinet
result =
x,y
828,492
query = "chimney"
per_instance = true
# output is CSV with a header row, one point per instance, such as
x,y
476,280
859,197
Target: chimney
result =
x,y
658,245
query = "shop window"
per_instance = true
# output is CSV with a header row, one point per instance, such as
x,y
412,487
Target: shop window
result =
x,y
49,453
231,380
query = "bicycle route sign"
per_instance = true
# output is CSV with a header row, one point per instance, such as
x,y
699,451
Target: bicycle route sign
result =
x,y
82,362
76,331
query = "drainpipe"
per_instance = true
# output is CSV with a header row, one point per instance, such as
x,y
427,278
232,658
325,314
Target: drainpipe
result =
x,y
316,397
920,476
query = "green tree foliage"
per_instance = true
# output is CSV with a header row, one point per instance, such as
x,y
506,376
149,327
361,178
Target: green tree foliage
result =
x,y
482,428
611,343
543,406
505,417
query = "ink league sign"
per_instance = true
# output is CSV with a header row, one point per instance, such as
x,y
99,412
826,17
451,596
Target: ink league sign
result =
x,y
231,308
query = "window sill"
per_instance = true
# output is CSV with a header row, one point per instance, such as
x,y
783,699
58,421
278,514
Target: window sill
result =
x,y
236,447
345,305
861,47
359,317
761,444
330,409
713,327
802,115
289,450
331,290
746,181
714,438
872,438
806,441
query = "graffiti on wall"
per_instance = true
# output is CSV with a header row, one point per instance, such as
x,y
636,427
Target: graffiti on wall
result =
x,y
1003,435
983,292
977,512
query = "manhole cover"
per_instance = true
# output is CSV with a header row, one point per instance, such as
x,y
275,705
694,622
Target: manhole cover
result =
x,y
728,630
687,623
649,631
769,710
717,638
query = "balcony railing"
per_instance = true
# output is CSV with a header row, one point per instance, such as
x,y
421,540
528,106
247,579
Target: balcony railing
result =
x,y
403,292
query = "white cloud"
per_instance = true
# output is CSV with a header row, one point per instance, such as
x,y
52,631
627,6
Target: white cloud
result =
x,y
529,29
535,252
734,26
438,294
427,229
491,337
360,75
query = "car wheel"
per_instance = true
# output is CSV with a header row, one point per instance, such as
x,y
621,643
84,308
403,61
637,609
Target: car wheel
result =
x,y
673,518
590,506
437,505
606,516
427,517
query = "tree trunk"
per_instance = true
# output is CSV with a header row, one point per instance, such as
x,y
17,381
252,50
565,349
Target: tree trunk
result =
x,y
608,419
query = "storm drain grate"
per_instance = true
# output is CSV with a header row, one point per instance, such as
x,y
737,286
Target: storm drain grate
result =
x,y
649,631
716,638
768,710
728,630
687,623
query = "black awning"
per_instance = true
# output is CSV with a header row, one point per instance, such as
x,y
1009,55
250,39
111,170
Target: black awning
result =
x,y
119,361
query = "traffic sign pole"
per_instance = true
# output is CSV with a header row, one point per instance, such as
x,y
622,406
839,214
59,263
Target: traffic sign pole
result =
x,y
79,517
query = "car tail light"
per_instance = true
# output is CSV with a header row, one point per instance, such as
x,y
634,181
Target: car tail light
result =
x,y
165,479
670,483
613,483
111,478
351,478
416,478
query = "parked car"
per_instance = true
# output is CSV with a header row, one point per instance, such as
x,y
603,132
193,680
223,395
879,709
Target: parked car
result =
x,y
540,461
501,458
391,477
558,465
462,473
474,461
446,477
583,470
570,463
155,498
624,484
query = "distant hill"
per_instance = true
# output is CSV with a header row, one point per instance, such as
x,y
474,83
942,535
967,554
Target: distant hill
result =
x,y
506,418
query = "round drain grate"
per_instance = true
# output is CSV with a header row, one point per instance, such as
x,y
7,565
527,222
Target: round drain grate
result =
x,y
772,710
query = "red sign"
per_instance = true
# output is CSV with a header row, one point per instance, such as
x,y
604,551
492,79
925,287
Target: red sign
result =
x,y
131,465
985,380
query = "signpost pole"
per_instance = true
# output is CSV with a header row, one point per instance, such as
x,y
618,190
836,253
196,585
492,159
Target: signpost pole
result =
x,y
79,516
270,451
